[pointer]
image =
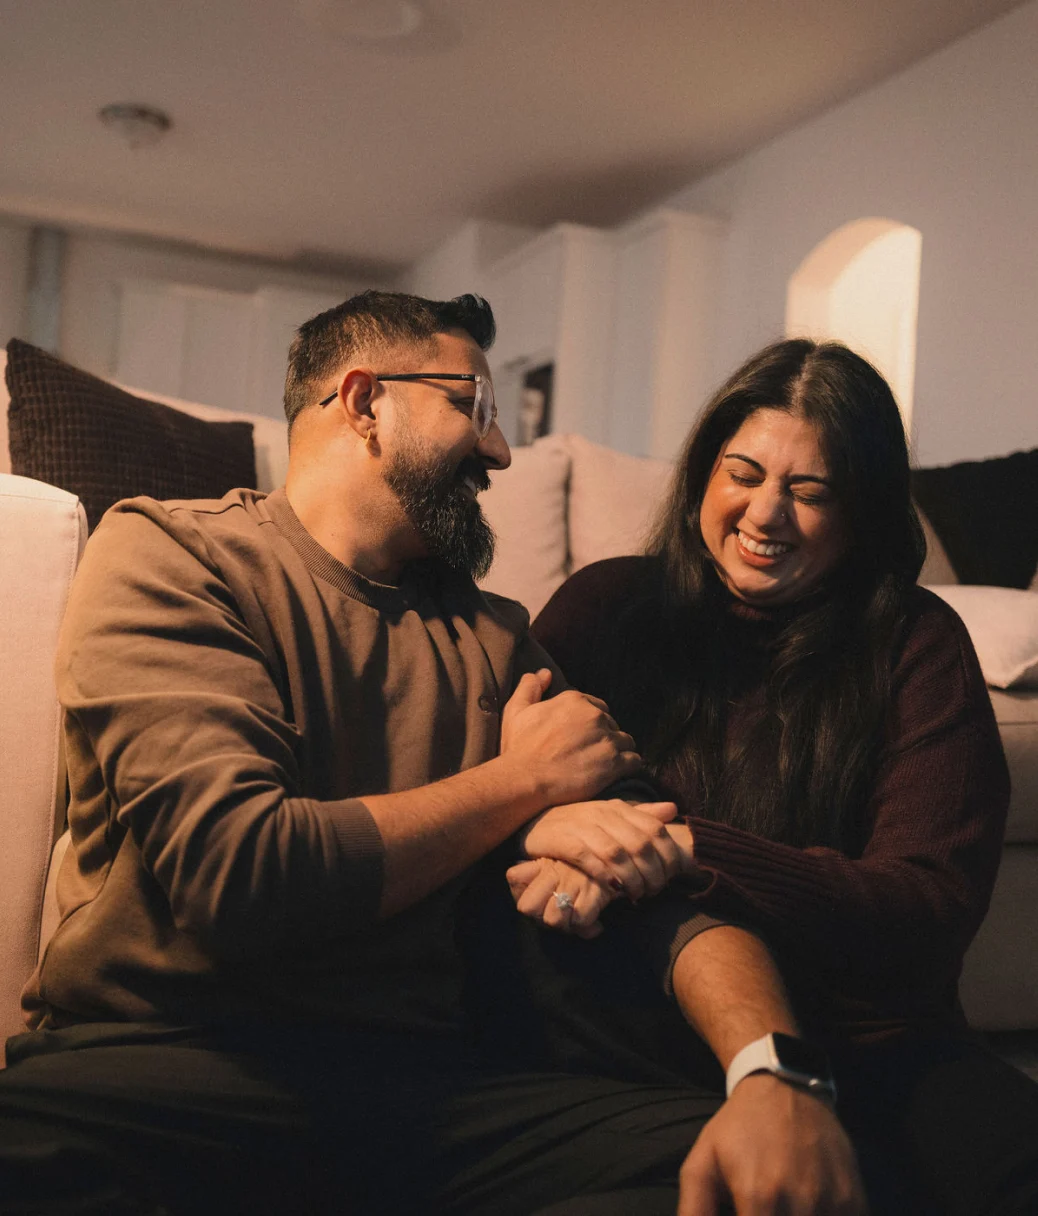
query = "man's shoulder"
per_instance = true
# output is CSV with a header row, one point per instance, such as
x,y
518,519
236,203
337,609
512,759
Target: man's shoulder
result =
x,y
241,508
180,541
187,520
510,613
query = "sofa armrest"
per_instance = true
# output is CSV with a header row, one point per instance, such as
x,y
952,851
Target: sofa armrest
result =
x,y
42,533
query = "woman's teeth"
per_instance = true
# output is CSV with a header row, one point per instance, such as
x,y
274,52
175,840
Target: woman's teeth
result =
x,y
771,549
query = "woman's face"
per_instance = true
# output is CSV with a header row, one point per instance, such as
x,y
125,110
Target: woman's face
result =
x,y
769,516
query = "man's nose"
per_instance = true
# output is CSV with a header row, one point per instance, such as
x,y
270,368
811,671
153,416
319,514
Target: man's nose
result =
x,y
494,450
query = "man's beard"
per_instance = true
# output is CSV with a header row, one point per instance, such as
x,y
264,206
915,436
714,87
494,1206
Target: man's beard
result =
x,y
448,519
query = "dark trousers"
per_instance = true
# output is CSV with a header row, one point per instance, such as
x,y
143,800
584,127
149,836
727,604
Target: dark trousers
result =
x,y
959,1125
134,1119
145,1120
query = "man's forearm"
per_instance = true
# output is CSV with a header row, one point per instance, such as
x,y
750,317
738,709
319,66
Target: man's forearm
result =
x,y
433,833
772,1147
730,990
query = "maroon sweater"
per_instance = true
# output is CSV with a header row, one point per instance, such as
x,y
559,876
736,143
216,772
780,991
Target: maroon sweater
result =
x,y
871,943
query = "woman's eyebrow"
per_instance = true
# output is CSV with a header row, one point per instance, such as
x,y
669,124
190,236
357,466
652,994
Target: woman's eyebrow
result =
x,y
796,477
748,459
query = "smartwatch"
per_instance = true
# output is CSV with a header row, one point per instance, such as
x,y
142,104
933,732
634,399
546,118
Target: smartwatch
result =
x,y
792,1060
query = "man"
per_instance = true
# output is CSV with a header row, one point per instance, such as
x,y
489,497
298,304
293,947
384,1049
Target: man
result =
x,y
293,727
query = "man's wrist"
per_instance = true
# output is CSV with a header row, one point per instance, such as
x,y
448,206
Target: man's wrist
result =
x,y
522,785
795,1061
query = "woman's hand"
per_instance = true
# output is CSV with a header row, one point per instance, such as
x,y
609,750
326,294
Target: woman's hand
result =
x,y
631,846
560,896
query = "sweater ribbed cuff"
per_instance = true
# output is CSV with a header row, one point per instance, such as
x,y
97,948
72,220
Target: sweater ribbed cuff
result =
x,y
363,856
777,874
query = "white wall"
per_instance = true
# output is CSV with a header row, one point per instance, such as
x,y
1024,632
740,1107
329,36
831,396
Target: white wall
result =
x,y
96,267
14,277
949,146
459,264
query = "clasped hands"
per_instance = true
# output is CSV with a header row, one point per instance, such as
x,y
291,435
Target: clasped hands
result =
x,y
585,854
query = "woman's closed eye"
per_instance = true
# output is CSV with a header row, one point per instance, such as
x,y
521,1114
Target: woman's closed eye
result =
x,y
811,499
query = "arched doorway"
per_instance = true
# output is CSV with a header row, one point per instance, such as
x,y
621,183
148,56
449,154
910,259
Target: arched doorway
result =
x,y
861,286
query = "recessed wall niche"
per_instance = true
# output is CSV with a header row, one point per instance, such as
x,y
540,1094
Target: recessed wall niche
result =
x,y
860,286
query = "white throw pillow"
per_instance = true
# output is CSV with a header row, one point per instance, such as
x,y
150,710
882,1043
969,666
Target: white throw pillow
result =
x,y
526,507
612,501
1003,625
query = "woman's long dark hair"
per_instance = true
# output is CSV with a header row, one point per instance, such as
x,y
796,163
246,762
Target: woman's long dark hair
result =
x,y
804,767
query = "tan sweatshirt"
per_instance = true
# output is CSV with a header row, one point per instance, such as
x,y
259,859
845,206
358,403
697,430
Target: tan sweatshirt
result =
x,y
231,693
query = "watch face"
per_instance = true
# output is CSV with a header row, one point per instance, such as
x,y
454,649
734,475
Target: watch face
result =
x,y
799,1056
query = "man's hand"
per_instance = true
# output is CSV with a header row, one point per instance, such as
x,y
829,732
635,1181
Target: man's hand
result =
x,y
615,842
569,745
534,885
772,1150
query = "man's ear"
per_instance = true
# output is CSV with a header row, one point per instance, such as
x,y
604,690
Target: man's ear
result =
x,y
357,390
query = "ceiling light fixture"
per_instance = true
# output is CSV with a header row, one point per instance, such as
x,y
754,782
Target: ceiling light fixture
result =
x,y
138,125
370,21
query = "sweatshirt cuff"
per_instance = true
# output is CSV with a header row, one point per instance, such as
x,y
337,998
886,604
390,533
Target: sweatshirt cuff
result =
x,y
661,927
698,923
361,857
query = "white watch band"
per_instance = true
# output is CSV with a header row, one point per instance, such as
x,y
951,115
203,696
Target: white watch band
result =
x,y
758,1056
788,1058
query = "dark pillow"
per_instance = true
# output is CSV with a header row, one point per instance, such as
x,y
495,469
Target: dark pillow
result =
x,y
86,436
986,514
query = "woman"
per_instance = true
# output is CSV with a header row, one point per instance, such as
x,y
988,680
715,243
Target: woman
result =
x,y
823,725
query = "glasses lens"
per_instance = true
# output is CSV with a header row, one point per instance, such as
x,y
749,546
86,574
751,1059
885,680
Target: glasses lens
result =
x,y
484,410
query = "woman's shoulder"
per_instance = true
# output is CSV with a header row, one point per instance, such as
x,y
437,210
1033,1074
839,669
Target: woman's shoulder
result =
x,y
929,619
937,647
598,589
579,624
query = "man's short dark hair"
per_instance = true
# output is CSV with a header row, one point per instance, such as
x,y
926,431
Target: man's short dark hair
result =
x,y
368,322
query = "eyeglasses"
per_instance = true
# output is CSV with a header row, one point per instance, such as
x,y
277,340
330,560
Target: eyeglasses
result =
x,y
484,409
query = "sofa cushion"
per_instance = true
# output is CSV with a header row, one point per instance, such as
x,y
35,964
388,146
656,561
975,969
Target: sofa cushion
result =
x,y
986,514
1003,626
1017,717
936,568
613,499
999,987
74,430
526,507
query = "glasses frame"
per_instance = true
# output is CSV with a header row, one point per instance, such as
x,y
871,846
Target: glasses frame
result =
x,y
482,419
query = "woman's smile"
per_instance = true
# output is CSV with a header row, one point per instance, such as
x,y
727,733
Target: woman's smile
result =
x,y
762,550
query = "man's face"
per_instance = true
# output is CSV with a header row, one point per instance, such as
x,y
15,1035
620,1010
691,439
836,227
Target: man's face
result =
x,y
436,465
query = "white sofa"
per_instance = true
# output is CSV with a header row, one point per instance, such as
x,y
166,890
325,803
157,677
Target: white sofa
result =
x,y
564,503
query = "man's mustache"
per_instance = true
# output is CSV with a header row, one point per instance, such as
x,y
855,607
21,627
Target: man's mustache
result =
x,y
473,468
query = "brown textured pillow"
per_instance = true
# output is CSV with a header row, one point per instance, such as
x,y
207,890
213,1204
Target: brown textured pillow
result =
x,y
86,436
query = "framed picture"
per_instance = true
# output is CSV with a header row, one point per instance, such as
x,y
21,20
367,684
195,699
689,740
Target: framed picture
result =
x,y
535,404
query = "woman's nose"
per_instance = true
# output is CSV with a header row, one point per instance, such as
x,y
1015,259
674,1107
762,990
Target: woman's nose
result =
x,y
767,507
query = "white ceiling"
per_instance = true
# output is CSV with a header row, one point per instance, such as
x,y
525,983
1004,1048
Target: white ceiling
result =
x,y
290,141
